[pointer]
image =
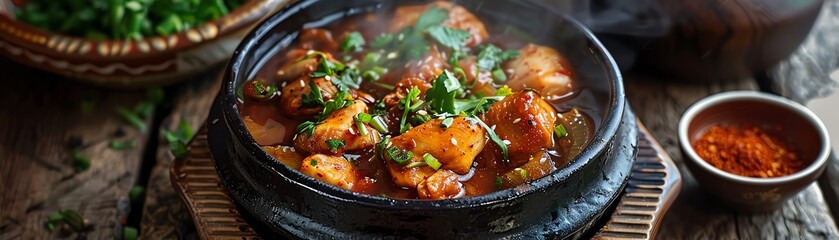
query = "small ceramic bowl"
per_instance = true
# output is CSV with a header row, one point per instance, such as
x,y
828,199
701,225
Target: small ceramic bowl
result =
x,y
801,127
150,61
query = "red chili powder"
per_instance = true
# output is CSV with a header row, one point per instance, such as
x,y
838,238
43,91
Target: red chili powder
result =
x,y
747,151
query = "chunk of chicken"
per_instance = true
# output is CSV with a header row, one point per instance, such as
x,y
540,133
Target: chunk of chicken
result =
x,y
339,126
291,98
403,87
526,121
317,39
541,68
455,147
428,67
296,67
442,184
337,171
459,18
284,154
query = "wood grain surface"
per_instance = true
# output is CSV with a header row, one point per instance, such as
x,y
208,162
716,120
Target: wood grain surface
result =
x,y
39,116
659,104
164,216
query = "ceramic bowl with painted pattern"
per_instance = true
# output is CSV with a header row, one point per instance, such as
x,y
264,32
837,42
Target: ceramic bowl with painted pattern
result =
x,y
799,127
150,61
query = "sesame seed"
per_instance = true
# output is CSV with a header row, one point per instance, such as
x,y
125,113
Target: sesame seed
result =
x,y
454,141
493,128
422,112
302,84
506,142
327,77
310,52
352,132
392,55
517,120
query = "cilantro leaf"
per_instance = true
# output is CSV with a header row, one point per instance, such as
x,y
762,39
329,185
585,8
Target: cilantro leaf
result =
x,y
494,137
432,16
314,98
490,57
449,37
307,127
382,41
335,144
353,42
441,96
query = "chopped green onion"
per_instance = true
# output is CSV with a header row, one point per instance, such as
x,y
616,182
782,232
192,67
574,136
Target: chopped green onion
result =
x,y
498,182
560,131
499,76
379,124
416,164
399,156
431,161
523,173
447,123
360,120
313,162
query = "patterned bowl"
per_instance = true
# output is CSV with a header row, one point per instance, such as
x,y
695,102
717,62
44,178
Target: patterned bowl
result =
x,y
129,64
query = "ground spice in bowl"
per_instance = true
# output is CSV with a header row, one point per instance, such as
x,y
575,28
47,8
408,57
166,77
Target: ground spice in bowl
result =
x,y
747,151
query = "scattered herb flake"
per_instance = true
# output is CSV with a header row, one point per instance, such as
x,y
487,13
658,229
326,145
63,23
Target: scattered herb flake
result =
x,y
132,118
121,144
129,233
313,162
523,173
136,193
498,181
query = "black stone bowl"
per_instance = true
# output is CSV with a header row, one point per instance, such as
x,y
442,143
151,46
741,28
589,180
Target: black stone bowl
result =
x,y
564,204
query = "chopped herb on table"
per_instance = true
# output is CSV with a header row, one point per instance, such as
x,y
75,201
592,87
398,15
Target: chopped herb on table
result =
x,y
70,218
178,139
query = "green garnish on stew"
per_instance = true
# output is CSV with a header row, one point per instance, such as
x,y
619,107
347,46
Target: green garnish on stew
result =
x,y
431,161
353,42
335,144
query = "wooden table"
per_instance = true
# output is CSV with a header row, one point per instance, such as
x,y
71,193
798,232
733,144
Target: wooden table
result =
x,y
40,115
